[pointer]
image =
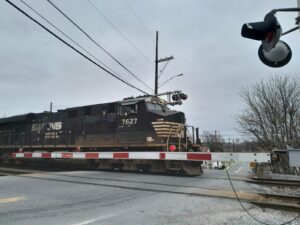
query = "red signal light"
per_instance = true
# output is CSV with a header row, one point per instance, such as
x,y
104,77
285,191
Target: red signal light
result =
x,y
172,148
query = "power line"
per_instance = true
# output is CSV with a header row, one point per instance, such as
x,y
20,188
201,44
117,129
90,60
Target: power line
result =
x,y
138,18
149,43
97,44
148,31
118,15
95,25
119,32
64,34
130,24
163,69
73,48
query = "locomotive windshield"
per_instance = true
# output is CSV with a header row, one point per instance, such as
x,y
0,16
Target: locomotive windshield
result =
x,y
152,106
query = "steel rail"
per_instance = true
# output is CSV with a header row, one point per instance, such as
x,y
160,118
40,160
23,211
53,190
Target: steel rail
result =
x,y
274,182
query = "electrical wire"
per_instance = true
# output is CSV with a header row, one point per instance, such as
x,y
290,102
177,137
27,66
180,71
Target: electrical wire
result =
x,y
116,29
91,21
72,47
122,19
138,18
146,28
96,43
163,69
148,43
253,217
64,34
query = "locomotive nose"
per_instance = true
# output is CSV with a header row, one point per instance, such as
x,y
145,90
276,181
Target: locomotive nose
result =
x,y
170,116
177,117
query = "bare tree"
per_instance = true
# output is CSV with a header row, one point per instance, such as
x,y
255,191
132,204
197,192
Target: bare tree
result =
x,y
244,146
213,140
272,115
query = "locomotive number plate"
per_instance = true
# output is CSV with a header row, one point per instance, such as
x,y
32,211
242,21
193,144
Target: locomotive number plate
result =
x,y
128,122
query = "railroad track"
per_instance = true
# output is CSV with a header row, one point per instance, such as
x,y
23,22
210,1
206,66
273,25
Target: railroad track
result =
x,y
274,182
260,181
285,202
4,171
16,170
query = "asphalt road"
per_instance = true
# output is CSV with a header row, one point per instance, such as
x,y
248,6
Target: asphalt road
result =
x,y
95,197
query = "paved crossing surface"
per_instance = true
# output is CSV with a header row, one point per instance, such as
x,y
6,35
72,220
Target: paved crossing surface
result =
x,y
96,197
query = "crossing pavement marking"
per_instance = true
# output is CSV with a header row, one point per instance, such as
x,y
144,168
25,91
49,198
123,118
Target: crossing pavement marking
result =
x,y
9,200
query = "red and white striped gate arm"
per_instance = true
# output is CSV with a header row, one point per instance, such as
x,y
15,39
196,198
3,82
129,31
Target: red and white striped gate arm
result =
x,y
181,156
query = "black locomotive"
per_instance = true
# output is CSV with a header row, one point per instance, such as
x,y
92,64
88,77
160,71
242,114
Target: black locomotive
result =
x,y
143,123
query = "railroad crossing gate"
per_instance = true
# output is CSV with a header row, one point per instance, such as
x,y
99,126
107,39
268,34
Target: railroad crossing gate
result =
x,y
180,156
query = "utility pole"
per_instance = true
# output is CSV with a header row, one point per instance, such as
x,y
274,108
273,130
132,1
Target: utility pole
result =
x,y
216,131
156,64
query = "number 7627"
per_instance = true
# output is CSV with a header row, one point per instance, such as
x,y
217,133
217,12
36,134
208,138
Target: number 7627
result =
x,y
130,121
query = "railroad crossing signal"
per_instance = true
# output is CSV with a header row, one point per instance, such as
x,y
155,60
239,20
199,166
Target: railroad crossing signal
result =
x,y
273,52
267,31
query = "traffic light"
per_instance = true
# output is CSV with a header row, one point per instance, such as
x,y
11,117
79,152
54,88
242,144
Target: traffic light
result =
x,y
180,96
272,52
278,56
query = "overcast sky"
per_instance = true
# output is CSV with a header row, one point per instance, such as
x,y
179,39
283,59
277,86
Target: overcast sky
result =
x,y
203,36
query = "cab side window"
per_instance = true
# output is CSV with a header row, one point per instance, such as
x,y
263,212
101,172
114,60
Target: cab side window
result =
x,y
128,109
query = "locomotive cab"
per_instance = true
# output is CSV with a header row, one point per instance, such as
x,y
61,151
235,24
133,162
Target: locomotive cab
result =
x,y
149,122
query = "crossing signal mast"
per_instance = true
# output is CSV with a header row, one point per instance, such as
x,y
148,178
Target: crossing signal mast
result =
x,y
272,52
174,97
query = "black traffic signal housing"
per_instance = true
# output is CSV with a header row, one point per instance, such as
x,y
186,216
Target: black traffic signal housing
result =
x,y
179,97
267,31
272,52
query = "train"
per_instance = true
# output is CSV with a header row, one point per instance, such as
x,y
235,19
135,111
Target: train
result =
x,y
142,123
